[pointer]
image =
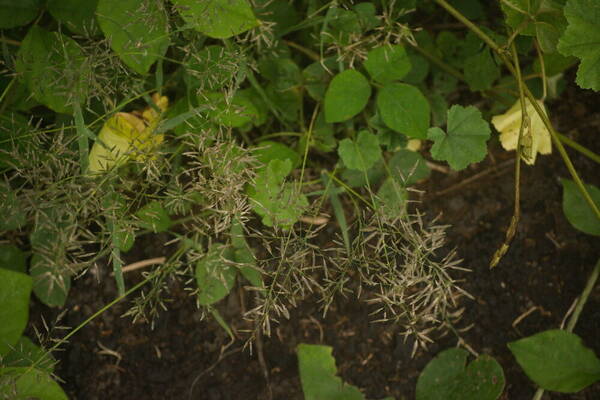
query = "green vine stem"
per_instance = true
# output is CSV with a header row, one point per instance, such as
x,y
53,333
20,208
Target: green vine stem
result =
x,y
589,285
502,53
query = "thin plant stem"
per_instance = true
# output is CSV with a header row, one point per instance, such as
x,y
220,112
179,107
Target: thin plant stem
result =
x,y
576,146
502,54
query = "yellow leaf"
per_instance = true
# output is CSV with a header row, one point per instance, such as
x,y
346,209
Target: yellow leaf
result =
x,y
536,137
127,136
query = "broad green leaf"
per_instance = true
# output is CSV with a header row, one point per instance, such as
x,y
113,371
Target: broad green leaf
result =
x,y
25,353
441,375
392,196
346,96
239,111
29,383
54,69
387,63
419,68
582,40
138,31
214,275
18,13
13,216
404,109
15,289
11,257
316,78
281,13
483,379
276,201
342,25
374,176
154,217
367,15
465,140
362,153
557,360
577,210
318,375
283,72
408,167
481,70
268,150
77,15
211,68
445,377
219,19
243,255
49,284
541,18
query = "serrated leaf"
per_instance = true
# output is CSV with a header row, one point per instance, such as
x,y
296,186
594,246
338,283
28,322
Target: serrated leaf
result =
x,y
318,375
77,15
12,258
154,217
18,13
49,284
404,109
138,31
54,69
214,276
276,201
268,150
362,153
582,40
577,210
481,70
219,19
465,140
346,96
15,289
387,63
29,383
557,360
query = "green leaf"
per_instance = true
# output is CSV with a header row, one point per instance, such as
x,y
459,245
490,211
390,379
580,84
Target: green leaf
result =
x,y
557,360
54,69
582,40
362,153
13,216
25,353
346,96
268,150
138,31
481,70
243,255
282,71
239,111
219,19
465,140
408,167
318,375
276,201
445,377
15,289
49,285
577,210
29,383
77,15
374,175
404,109
18,13
214,276
387,63
281,13
441,375
12,258
316,78
154,217
392,196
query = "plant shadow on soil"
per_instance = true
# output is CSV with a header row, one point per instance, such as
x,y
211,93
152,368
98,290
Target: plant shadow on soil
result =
x,y
546,268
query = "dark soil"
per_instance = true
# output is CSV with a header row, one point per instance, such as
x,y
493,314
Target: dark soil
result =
x,y
545,269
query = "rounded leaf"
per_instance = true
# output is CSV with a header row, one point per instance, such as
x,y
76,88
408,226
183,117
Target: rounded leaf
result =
x,y
18,13
15,289
577,210
404,109
362,153
388,63
346,96
214,276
